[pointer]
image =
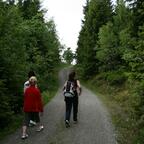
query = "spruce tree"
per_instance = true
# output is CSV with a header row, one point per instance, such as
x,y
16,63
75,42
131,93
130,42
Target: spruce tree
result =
x,y
97,14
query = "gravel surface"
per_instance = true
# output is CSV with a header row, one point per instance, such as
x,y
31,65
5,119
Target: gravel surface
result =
x,y
93,127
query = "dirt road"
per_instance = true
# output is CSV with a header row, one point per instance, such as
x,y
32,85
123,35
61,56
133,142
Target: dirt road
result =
x,y
94,126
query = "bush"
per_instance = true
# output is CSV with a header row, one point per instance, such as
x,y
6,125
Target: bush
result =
x,y
138,93
5,118
115,78
5,111
140,138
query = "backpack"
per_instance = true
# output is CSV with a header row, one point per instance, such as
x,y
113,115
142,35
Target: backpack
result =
x,y
69,89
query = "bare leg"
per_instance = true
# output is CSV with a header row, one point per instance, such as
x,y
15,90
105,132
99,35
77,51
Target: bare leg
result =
x,y
24,128
24,132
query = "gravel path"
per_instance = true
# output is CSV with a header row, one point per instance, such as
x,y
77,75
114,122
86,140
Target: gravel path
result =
x,y
94,125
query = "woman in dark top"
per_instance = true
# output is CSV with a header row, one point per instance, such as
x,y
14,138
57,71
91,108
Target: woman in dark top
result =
x,y
72,101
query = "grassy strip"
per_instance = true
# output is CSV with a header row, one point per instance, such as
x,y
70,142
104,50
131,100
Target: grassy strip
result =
x,y
48,95
117,100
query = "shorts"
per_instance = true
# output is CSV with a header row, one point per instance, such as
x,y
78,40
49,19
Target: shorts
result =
x,y
31,116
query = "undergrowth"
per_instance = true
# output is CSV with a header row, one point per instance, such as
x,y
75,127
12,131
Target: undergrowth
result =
x,y
120,102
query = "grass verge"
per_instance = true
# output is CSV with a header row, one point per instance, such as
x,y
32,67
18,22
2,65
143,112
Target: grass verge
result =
x,y
117,100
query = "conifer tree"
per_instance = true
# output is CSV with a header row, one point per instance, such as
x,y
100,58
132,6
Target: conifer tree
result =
x,y
114,43
29,8
137,8
68,55
26,43
112,38
97,14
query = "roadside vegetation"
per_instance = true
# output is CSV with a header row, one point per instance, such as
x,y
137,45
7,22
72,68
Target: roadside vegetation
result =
x,y
120,103
110,58
27,42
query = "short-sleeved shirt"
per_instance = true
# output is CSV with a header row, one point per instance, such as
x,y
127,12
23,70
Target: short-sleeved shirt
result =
x,y
26,85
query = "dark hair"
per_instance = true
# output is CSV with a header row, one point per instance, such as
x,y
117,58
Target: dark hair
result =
x,y
31,73
72,76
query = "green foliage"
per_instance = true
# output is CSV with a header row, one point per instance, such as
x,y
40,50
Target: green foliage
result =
x,y
26,43
116,78
29,8
97,13
113,40
117,98
12,53
108,52
112,50
68,56
48,95
138,15
134,56
139,139
138,93
5,111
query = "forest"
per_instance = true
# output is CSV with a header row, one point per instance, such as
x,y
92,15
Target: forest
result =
x,y
110,55
27,43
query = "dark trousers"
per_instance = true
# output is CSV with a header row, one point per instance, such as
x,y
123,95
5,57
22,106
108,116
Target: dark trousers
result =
x,y
71,102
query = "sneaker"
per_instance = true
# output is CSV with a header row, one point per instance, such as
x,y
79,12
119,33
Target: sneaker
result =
x,y
40,128
32,123
24,136
67,124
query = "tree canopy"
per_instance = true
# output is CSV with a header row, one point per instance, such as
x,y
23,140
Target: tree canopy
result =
x,y
110,48
68,56
27,42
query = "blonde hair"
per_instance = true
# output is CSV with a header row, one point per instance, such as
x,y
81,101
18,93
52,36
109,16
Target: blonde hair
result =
x,y
33,80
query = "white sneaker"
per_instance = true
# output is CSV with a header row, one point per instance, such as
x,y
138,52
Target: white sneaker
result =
x,y
24,136
32,123
67,124
40,128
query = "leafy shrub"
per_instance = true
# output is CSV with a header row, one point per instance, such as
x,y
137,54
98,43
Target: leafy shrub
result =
x,y
5,113
140,138
115,78
138,93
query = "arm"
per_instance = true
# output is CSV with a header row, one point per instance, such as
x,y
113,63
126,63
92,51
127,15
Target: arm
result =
x,y
64,86
79,87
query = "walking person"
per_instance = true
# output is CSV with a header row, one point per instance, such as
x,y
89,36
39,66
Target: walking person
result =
x,y
72,90
26,85
32,106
